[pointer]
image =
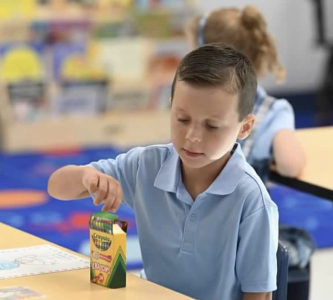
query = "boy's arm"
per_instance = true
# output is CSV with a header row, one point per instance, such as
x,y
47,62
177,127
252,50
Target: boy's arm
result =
x,y
257,296
288,154
256,260
74,182
66,183
109,180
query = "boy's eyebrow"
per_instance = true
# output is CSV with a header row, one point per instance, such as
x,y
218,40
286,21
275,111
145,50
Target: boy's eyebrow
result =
x,y
179,108
216,117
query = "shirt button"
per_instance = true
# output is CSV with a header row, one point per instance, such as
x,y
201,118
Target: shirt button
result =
x,y
193,217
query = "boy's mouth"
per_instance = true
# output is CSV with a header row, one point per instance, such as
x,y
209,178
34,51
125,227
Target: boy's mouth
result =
x,y
192,154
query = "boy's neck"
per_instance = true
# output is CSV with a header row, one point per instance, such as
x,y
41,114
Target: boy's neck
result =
x,y
196,181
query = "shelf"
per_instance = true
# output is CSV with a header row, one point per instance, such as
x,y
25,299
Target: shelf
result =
x,y
116,129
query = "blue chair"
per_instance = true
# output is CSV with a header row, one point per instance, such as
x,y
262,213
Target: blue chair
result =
x,y
282,273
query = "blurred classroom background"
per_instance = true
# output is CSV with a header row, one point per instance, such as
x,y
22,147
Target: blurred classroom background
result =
x,y
82,80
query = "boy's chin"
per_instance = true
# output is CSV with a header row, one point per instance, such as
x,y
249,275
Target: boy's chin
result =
x,y
194,164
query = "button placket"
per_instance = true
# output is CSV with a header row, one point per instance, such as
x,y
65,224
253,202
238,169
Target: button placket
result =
x,y
190,232
193,217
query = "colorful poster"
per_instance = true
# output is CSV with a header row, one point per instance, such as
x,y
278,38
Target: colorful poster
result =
x,y
64,52
21,61
124,59
77,61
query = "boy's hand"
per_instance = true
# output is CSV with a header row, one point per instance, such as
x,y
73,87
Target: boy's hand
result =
x,y
105,188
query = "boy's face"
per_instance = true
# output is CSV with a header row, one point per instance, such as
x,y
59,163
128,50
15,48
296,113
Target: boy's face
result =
x,y
205,124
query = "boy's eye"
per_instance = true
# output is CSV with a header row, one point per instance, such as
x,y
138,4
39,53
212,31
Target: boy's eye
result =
x,y
183,120
211,126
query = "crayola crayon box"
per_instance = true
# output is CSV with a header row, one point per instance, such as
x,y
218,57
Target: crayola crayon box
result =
x,y
107,250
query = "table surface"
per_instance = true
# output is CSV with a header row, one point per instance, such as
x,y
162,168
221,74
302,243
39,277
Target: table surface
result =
x,y
316,178
76,284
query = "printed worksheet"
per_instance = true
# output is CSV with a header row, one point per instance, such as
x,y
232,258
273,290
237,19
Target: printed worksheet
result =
x,y
17,262
18,293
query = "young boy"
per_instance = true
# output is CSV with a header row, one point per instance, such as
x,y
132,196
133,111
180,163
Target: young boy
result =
x,y
273,138
207,226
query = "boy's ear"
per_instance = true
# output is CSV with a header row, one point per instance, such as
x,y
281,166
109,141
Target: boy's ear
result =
x,y
247,126
170,101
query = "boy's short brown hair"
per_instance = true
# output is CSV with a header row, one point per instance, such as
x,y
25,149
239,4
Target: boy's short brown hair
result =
x,y
218,65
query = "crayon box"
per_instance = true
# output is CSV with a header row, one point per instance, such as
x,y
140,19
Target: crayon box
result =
x,y
107,250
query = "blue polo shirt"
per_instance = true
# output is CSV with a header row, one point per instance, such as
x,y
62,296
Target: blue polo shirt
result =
x,y
280,117
216,247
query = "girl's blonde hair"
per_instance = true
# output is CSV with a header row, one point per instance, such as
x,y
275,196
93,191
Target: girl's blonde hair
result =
x,y
245,30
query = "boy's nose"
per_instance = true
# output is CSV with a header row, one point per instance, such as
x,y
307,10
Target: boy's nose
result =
x,y
194,135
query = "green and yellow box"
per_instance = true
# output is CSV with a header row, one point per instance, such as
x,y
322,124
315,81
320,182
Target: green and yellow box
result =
x,y
107,250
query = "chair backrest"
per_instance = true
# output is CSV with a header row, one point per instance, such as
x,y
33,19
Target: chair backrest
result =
x,y
282,273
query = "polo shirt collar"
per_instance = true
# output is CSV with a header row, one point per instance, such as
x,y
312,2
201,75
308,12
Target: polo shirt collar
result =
x,y
227,181
261,93
169,174
260,96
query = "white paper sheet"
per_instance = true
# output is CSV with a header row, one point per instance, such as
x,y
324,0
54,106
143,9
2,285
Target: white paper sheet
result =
x,y
18,293
17,262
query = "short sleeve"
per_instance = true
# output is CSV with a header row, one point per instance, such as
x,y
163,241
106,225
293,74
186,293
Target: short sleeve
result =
x,y
280,117
124,168
256,264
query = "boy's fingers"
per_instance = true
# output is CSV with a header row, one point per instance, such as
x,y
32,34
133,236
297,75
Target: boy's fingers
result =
x,y
111,196
120,192
118,200
93,188
93,184
104,207
102,191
